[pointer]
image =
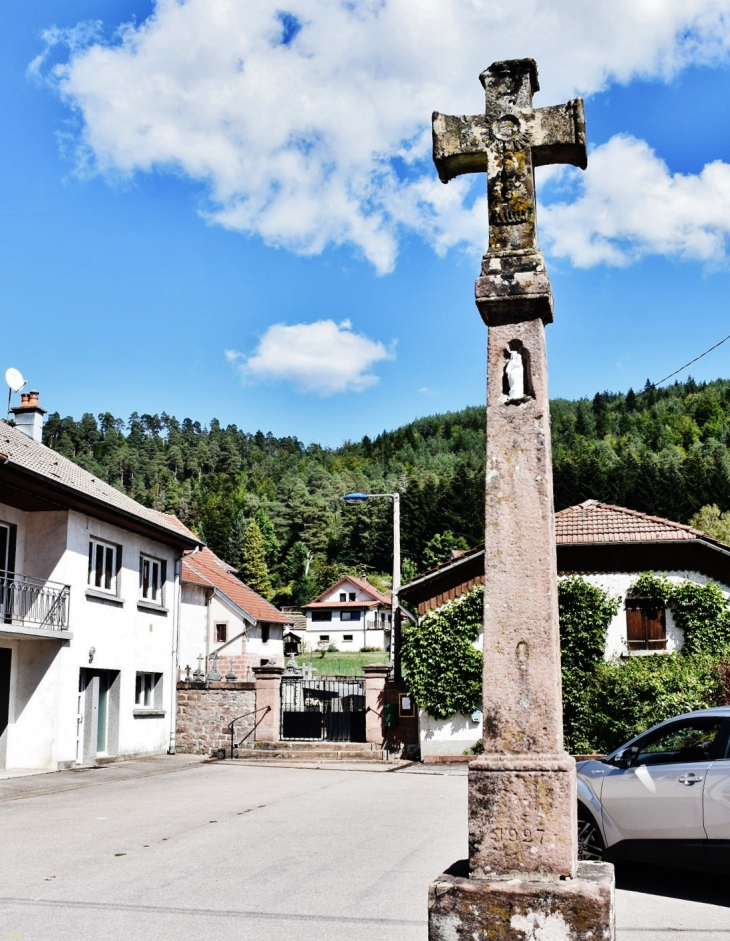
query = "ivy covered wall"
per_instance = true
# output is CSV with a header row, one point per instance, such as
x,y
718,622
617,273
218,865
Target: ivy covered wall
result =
x,y
604,702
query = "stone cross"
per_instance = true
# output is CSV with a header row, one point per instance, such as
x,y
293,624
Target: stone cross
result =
x,y
213,674
522,790
508,141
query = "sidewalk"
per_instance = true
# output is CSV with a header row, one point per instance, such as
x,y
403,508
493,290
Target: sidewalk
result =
x,y
20,784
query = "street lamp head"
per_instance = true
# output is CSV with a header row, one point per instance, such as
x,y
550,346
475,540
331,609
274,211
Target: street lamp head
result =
x,y
354,498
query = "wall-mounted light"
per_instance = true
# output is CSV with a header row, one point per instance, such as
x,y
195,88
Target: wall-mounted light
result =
x,y
92,651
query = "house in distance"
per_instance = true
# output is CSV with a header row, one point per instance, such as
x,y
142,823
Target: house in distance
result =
x,y
349,615
608,546
220,615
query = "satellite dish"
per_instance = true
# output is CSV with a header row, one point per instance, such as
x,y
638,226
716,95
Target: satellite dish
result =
x,y
14,379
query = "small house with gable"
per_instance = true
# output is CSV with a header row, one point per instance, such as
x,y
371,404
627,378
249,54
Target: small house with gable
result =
x,y
350,615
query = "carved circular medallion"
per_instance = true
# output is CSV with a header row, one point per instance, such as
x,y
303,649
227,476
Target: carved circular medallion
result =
x,y
506,127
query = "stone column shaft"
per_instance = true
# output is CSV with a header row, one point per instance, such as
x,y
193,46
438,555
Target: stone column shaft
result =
x,y
522,791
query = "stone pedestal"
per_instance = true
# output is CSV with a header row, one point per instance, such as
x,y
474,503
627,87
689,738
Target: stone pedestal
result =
x,y
522,817
514,910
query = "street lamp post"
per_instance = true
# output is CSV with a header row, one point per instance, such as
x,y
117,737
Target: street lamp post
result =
x,y
353,499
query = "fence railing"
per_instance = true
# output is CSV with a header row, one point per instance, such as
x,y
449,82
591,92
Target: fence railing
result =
x,y
28,600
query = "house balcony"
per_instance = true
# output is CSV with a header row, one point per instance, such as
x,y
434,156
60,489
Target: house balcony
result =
x,y
33,607
375,625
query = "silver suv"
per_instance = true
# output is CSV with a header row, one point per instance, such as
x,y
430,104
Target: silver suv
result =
x,y
663,798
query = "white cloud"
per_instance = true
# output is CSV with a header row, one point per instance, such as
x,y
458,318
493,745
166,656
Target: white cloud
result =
x,y
322,357
300,143
630,205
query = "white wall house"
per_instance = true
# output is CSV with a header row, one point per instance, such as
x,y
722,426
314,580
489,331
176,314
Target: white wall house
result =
x,y
610,547
221,617
350,615
89,607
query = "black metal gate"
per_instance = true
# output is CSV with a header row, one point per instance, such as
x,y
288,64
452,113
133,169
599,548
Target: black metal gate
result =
x,y
330,708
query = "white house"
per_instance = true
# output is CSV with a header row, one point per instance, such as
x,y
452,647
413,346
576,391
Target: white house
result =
x,y
89,608
349,615
225,622
610,547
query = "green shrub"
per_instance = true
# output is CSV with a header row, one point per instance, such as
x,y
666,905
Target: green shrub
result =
x,y
443,669
626,698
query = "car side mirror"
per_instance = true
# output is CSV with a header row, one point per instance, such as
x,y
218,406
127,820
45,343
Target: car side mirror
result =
x,y
625,757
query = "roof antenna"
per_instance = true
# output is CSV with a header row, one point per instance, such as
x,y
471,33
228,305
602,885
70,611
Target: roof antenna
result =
x,y
15,383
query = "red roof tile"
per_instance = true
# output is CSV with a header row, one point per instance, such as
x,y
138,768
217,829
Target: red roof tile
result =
x,y
594,522
360,583
205,568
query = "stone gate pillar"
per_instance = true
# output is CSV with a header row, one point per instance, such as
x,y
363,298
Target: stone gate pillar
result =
x,y
375,677
268,693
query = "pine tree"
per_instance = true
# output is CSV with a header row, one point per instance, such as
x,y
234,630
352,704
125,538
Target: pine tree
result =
x,y
253,570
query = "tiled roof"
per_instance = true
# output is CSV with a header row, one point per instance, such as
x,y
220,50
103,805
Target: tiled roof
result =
x,y
360,583
20,450
342,604
593,522
206,569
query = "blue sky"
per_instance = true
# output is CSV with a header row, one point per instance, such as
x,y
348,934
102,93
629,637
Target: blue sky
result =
x,y
147,231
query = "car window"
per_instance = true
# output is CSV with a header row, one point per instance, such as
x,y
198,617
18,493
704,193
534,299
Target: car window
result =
x,y
691,740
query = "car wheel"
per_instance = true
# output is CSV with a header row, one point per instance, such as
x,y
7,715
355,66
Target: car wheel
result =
x,y
590,842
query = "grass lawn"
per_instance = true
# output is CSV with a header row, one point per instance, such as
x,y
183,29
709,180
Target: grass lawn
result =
x,y
341,664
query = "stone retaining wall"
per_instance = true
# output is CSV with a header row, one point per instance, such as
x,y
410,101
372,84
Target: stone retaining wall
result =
x,y
204,711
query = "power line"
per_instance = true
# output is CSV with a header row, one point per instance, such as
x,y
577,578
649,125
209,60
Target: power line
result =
x,y
655,384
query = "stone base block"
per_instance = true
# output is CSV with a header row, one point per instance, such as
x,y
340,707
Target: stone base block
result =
x,y
520,910
522,816
513,288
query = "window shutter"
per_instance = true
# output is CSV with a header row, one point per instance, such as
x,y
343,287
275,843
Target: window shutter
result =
x,y
656,627
163,580
635,634
12,540
141,574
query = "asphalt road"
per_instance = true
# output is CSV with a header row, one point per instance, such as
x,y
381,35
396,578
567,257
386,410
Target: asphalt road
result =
x,y
174,849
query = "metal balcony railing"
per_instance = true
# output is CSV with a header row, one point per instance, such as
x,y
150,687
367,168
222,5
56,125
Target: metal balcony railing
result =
x,y
33,601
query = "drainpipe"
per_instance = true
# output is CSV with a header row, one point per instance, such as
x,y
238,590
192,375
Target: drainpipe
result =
x,y
175,654
209,592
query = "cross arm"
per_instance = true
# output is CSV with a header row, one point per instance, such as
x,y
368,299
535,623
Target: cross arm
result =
x,y
459,144
560,135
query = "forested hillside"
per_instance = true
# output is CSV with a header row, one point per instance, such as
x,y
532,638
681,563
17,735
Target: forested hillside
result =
x,y
273,507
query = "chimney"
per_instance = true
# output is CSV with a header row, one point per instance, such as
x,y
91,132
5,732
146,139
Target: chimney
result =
x,y
29,416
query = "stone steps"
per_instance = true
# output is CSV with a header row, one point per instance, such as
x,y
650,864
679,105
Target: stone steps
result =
x,y
312,751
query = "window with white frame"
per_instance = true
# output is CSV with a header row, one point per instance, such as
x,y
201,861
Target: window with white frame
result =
x,y
147,691
104,563
347,638
151,579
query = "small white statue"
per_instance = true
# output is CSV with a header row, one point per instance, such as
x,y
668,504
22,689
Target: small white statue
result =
x,y
515,370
